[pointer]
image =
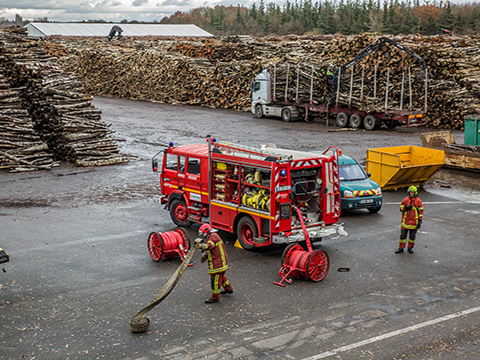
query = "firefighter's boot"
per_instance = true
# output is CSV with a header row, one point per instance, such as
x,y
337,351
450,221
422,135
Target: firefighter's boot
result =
x,y
210,301
410,250
399,250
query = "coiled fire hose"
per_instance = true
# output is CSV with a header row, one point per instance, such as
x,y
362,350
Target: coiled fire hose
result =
x,y
140,323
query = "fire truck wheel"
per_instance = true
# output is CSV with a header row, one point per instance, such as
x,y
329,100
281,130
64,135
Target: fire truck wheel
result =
x,y
342,120
179,213
287,115
259,111
356,121
246,232
370,122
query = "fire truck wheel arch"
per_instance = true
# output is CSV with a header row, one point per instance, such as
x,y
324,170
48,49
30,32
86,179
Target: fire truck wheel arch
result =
x,y
179,213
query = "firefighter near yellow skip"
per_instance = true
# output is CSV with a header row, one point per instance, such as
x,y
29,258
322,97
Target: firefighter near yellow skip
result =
x,y
266,196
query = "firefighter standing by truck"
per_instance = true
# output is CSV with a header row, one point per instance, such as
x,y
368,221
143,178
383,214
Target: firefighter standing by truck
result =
x,y
412,216
216,255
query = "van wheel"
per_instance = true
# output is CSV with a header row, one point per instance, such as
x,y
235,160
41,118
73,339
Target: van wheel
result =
x,y
342,120
179,213
246,232
287,114
259,111
375,209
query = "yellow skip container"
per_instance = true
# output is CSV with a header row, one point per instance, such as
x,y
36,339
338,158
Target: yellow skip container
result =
x,y
401,166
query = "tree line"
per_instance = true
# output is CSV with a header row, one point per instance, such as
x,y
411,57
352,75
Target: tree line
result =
x,y
346,17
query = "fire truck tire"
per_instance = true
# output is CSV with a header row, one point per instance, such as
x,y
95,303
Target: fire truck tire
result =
x,y
246,232
375,209
317,265
287,115
155,247
342,120
259,111
356,121
179,213
370,122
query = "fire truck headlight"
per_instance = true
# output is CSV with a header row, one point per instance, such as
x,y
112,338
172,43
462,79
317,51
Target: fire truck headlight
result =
x,y
348,194
378,191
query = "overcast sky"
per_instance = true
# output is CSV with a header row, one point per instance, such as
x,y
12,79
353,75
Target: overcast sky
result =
x,y
109,10
115,10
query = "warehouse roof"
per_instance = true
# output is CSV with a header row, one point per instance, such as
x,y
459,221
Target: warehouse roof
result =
x,y
88,29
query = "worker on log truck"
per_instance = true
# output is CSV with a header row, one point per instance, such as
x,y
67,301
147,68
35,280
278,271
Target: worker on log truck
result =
x,y
299,91
115,30
266,196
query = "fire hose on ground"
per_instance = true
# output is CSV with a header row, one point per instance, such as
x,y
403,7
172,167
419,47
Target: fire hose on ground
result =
x,y
140,323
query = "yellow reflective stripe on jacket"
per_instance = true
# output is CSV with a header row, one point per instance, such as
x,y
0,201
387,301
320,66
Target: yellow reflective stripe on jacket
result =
x,y
404,217
224,266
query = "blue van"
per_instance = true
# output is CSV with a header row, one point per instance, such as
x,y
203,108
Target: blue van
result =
x,y
357,190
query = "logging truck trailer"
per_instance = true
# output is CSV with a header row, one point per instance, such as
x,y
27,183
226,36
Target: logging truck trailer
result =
x,y
287,104
266,196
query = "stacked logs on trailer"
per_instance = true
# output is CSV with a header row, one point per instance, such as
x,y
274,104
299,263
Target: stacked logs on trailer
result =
x,y
301,82
217,72
62,116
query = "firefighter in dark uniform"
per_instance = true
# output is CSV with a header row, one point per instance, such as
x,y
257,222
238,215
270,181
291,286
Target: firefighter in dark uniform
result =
x,y
216,255
412,217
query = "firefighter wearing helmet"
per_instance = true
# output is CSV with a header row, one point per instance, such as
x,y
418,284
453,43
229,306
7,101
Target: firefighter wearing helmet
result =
x,y
412,216
215,253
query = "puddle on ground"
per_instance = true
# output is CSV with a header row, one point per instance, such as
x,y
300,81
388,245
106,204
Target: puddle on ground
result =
x,y
456,184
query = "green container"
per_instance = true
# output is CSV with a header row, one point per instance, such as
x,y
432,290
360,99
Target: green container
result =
x,y
472,130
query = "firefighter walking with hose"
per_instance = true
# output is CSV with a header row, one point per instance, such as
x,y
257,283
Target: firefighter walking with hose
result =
x,y
215,253
412,216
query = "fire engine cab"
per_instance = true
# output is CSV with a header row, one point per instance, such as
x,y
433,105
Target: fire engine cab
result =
x,y
266,196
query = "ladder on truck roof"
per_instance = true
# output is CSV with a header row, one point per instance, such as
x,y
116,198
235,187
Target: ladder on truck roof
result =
x,y
242,150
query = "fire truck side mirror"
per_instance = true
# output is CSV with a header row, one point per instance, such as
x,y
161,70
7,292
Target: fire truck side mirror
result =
x,y
154,165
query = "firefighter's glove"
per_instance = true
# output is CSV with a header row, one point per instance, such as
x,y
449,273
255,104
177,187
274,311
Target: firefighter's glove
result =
x,y
203,258
419,224
197,242
408,207
201,246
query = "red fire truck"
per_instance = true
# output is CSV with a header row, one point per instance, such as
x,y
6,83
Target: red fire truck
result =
x,y
259,194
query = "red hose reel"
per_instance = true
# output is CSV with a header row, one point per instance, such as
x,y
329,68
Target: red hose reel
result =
x,y
169,244
301,264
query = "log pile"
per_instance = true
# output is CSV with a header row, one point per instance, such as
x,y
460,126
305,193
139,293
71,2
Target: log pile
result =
x,y
217,72
50,109
21,148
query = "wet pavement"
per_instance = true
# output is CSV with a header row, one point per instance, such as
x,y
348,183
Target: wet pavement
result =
x,y
80,268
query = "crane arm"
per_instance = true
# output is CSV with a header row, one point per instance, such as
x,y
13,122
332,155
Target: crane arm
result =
x,y
377,44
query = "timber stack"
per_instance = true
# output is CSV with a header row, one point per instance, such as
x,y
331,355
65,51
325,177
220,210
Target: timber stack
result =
x,y
217,72
50,109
